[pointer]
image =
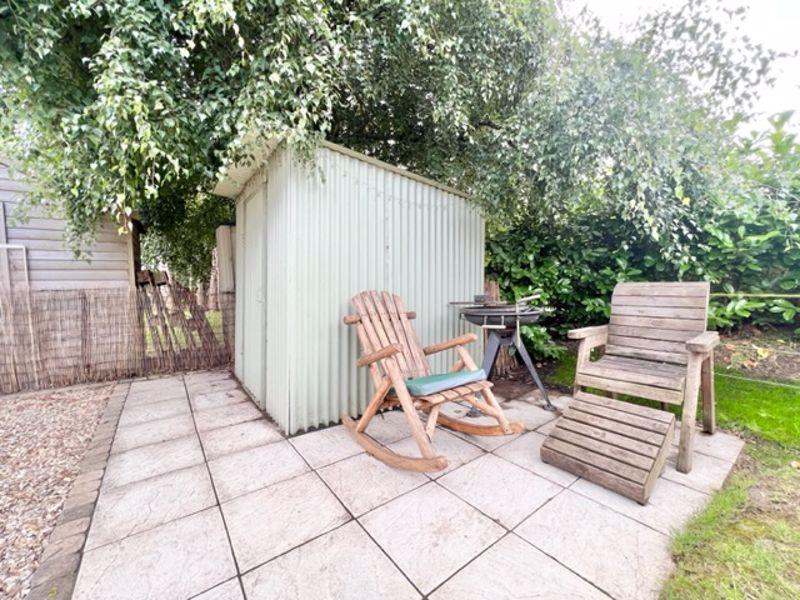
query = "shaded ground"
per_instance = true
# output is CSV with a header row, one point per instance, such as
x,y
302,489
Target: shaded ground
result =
x,y
43,437
761,354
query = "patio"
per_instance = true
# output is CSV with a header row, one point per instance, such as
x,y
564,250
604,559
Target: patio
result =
x,y
202,497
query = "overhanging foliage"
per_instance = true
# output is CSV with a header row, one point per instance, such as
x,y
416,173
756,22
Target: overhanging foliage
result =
x,y
595,158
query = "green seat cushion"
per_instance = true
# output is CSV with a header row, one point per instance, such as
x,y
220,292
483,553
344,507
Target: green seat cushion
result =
x,y
430,384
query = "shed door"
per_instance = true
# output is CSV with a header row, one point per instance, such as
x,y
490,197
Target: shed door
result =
x,y
253,330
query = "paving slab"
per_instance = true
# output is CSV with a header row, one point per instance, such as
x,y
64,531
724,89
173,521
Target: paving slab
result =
x,y
362,482
234,438
500,489
203,401
344,564
529,411
389,426
512,569
524,452
487,442
624,558
708,474
430,533
270,521
230,590
670,507
442,535
325,446
456,450
153,411
139,506
153,432
202,378
547,427
146,398
214,386
724,446
176,560
253,469
223,416
149,461
159,384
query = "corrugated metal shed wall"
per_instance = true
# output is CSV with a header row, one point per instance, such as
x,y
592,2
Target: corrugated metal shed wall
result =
x,y
239,275
358,226
282,319
253,293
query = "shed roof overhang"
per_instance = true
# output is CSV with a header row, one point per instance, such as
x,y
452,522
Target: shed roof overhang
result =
x,y
236,177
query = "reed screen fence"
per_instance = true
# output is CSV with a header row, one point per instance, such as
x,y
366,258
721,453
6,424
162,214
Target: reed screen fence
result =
x,y
63,337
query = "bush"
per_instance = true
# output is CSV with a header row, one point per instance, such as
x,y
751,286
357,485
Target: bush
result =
x,y
743,244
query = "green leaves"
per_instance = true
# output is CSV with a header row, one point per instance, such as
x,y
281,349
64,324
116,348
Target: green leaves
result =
x,y
595,159
786,309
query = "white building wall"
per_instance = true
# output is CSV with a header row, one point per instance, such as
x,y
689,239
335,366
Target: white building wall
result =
x,y
50,264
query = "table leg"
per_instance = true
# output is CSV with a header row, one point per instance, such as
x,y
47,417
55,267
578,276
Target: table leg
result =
x,y
489,356
523,352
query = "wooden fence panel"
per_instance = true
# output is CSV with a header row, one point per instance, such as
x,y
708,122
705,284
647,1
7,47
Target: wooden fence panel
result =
x,y
63,337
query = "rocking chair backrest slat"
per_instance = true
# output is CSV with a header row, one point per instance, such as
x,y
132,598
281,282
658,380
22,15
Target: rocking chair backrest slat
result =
x,y
385,322
415,353
653,321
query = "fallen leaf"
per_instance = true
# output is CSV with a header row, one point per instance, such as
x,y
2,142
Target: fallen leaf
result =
x,y
762,352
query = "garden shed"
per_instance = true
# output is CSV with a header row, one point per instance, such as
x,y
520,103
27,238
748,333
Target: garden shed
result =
x,y
309,237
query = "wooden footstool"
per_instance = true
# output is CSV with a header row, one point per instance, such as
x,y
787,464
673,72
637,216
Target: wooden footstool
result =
x,y
618,445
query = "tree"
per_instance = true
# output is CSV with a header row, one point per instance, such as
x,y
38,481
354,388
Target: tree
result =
x,y
137,106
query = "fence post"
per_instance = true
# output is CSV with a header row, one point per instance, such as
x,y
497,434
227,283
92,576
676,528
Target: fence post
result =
x,y
226,283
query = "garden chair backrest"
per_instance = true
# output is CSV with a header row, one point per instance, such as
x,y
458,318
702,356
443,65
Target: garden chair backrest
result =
x,y
653,321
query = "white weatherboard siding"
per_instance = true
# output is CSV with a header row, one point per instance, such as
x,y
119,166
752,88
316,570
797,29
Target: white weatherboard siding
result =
x,y
353,225
50,264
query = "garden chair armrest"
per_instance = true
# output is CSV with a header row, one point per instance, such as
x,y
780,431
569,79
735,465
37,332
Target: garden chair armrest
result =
x,y
703,343
587,332
457,341
384,352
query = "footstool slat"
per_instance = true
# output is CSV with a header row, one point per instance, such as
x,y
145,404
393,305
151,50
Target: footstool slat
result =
x,y
603,441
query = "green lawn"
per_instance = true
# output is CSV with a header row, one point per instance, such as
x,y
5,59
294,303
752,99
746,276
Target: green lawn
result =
x,y
767,409
746,544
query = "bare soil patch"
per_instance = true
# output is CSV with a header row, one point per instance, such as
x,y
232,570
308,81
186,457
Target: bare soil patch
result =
x,y
761,353
43,438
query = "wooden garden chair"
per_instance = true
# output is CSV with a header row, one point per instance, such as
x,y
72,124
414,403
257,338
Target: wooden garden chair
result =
x,y
656,347
402,376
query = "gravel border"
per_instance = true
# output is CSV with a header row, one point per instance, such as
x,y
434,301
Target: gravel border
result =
x,y
54,579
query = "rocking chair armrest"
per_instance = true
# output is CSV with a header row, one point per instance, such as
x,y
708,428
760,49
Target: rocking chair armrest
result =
x,y
597,331
461,340
384,352
703,343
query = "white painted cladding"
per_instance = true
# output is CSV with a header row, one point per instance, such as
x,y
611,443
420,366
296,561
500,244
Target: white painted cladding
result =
x,y
50,264
353,225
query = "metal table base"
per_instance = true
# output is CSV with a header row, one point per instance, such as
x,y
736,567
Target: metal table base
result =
x,y
499,338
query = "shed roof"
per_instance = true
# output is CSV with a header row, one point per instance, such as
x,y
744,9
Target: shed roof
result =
x,y
238,175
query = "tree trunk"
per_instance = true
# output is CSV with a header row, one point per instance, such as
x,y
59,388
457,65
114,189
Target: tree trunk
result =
x,y
505,363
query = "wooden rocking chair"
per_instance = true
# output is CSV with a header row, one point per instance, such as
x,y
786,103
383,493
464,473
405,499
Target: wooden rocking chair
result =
x,y
402,376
